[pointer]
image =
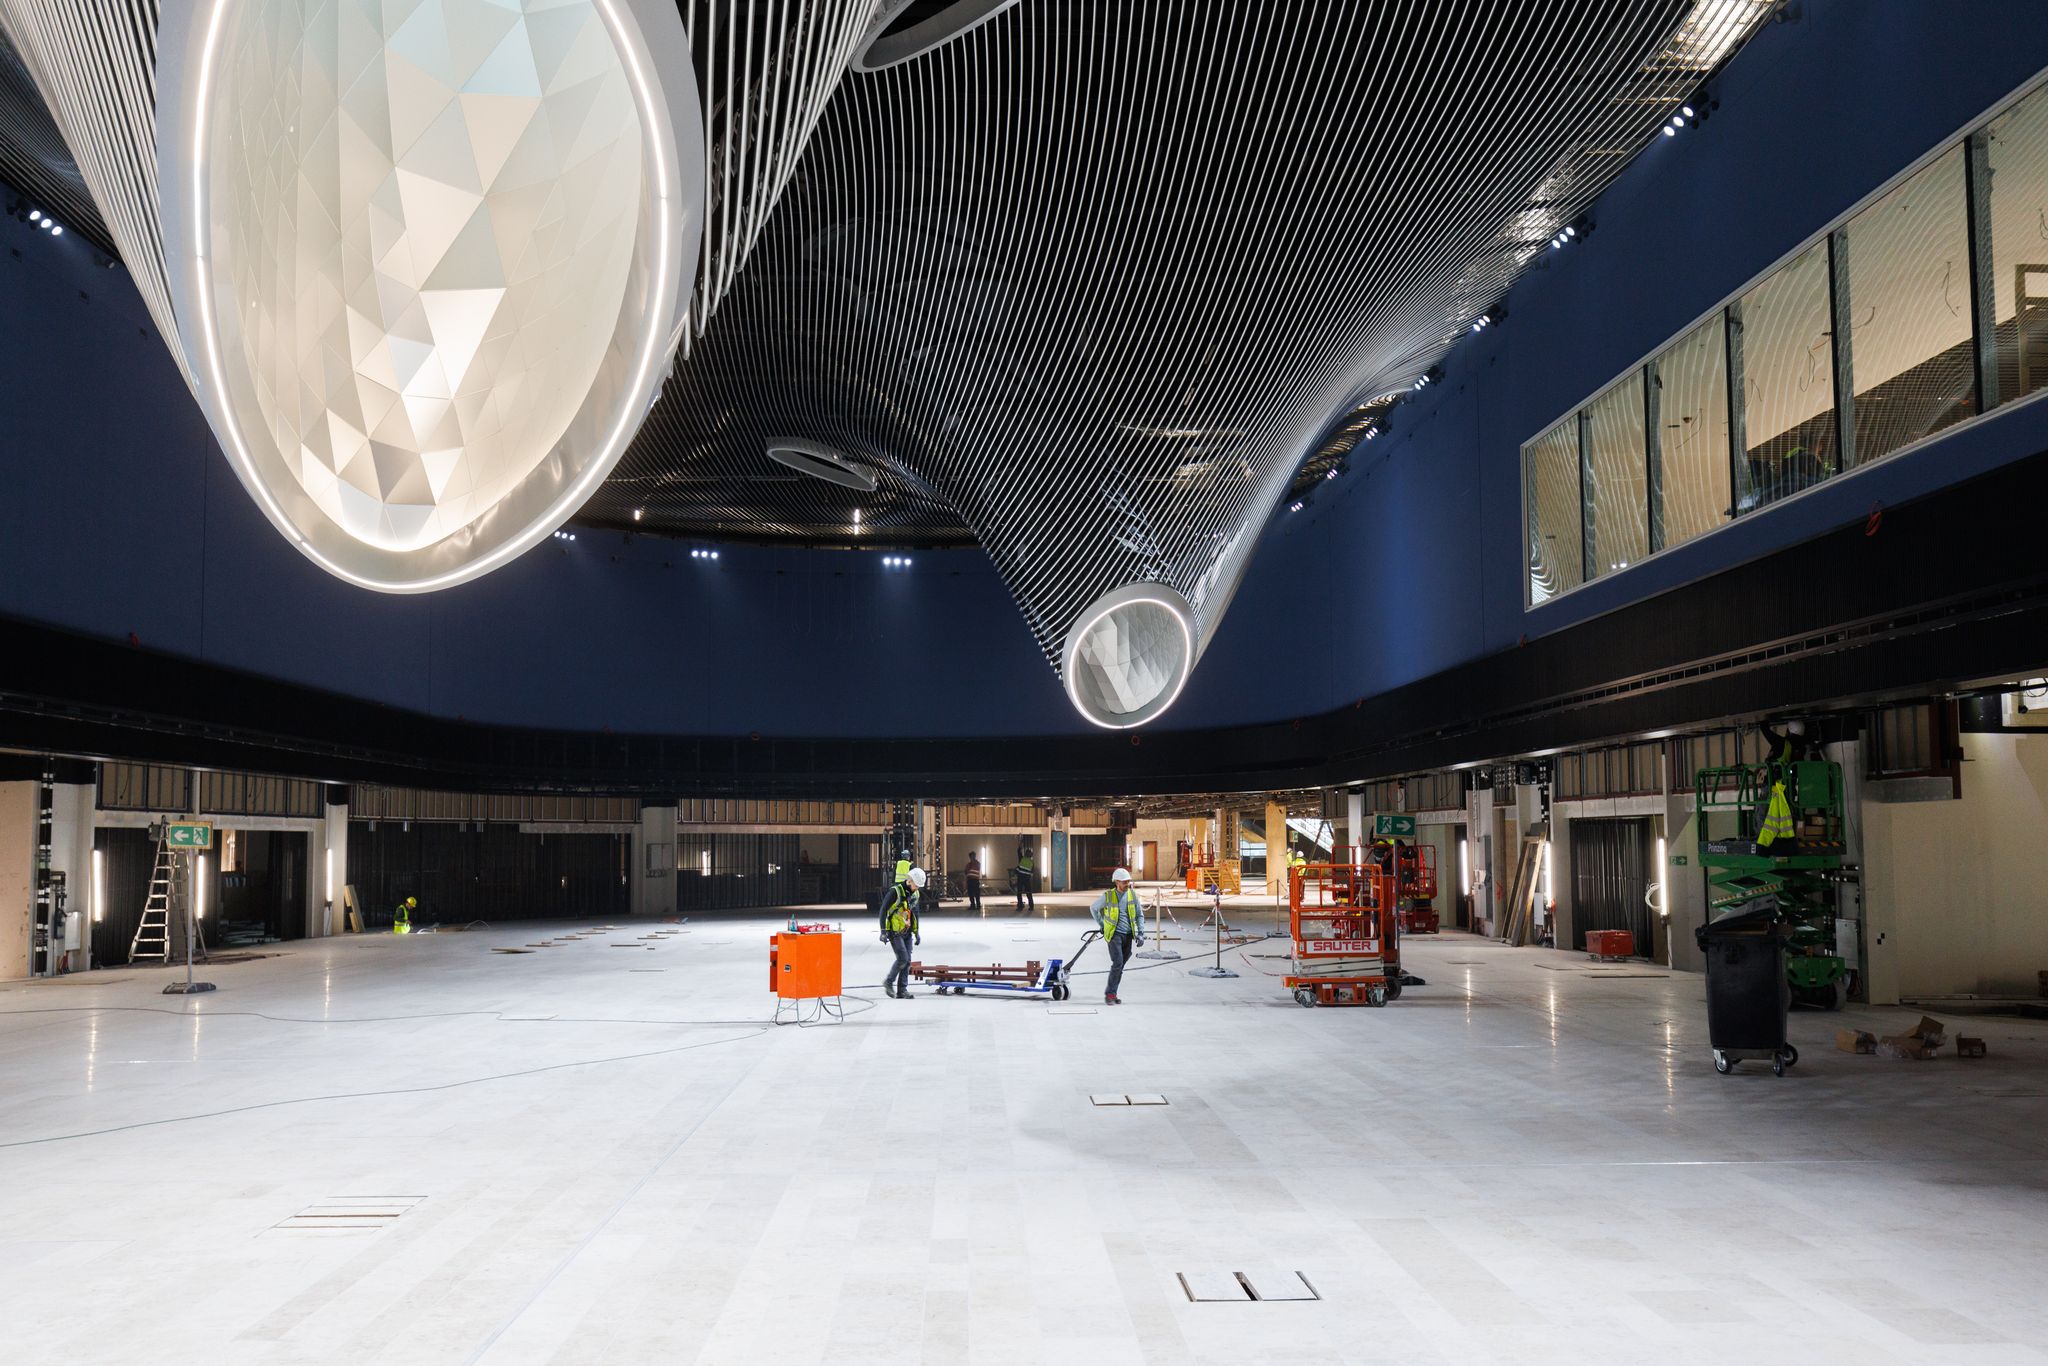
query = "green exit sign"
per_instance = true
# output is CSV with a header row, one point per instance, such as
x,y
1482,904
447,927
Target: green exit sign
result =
x,y
1392,825
1679,861
189,835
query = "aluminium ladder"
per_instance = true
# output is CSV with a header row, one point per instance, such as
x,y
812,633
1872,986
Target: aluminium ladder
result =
x,y
153,934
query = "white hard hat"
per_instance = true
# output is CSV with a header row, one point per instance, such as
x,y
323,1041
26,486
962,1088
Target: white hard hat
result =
x,y
917,877
1120,875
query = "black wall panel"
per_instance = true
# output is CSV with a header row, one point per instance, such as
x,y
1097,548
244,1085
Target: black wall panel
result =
x,y
461,873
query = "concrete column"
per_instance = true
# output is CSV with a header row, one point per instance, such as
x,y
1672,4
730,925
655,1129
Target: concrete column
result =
x,y
1276,852
1058,863
329,871
17,876
654,862
1487,899
1852,938
1565,910
71,855
1685,885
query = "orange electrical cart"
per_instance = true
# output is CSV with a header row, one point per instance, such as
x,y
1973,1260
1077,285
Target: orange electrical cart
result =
x,y
804,966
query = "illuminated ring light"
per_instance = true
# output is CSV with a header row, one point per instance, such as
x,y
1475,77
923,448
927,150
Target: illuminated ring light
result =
x,y
886,45
1127,656
525,473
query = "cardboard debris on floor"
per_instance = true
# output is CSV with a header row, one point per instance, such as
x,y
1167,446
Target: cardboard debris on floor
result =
x,y
1967,1047
1922,1041
1856,1041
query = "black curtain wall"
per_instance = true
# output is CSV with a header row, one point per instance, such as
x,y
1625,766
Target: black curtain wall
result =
x,y
1610,877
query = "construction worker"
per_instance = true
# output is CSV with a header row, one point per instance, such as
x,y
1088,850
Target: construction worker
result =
x,y
1024,877
1298,865
973,880
899,930
902,866
401,919
1121,918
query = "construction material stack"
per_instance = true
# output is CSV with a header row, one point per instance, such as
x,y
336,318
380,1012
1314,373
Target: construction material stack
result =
x,y
1796,871
1207,872
1346,940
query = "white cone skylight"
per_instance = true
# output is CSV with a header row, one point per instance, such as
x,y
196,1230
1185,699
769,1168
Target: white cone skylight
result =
x,y
427,257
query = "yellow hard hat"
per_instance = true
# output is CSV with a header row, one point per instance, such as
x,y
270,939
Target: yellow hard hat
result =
x,y
412,901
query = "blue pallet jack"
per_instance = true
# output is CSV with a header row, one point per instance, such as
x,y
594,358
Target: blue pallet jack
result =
x,y
1048,978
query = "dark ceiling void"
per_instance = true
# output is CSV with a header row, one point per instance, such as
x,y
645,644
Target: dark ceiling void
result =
x,y
1950,589
904,29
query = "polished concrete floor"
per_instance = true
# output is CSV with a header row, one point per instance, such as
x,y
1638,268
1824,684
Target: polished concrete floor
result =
x,y
601,1152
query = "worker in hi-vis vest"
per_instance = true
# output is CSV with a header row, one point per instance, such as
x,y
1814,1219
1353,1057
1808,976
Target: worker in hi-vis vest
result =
x,y
1121,918
1024,878
899,930
401,919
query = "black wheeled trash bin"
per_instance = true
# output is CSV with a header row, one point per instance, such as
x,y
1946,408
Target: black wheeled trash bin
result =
x,y
1748,996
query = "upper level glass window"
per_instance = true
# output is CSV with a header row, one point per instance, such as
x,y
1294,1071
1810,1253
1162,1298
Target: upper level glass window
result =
x,y
1920,310
1617,495
1556,544
1909,305
2018,153
1692,431
1788,382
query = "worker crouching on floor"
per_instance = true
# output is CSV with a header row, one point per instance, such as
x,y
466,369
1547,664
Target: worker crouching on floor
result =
x,y
1121,918
899,930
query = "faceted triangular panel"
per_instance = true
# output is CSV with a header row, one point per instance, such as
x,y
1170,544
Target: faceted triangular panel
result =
x,y
424,273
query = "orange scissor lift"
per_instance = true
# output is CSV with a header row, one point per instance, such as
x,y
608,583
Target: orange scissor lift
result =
x,y
1347,949
1415,866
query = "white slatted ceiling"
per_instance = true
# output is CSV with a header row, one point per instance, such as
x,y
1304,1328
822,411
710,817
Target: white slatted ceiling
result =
x,y
1089,281
1006,267
95,64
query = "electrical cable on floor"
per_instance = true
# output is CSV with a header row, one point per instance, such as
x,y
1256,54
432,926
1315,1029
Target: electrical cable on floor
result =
x,y
758,1029
358,1019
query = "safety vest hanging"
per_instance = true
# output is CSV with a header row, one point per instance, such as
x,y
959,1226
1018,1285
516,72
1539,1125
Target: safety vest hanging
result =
x,y
1119,913
1777,818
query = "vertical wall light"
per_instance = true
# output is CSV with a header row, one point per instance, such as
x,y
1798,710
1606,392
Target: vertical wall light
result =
x,y
199,887
330,876
1465,865
1549,880
1663,882
99,886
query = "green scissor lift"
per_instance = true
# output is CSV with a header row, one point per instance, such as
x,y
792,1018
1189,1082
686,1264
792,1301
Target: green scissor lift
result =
x,y
1799,870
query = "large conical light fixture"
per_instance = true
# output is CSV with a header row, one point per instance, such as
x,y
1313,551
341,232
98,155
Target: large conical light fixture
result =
x,y
428,259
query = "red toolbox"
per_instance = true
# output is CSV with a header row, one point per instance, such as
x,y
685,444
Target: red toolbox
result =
x,y
1610,945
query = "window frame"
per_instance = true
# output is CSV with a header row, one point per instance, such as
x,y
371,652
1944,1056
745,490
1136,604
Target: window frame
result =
x,y
1971,139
